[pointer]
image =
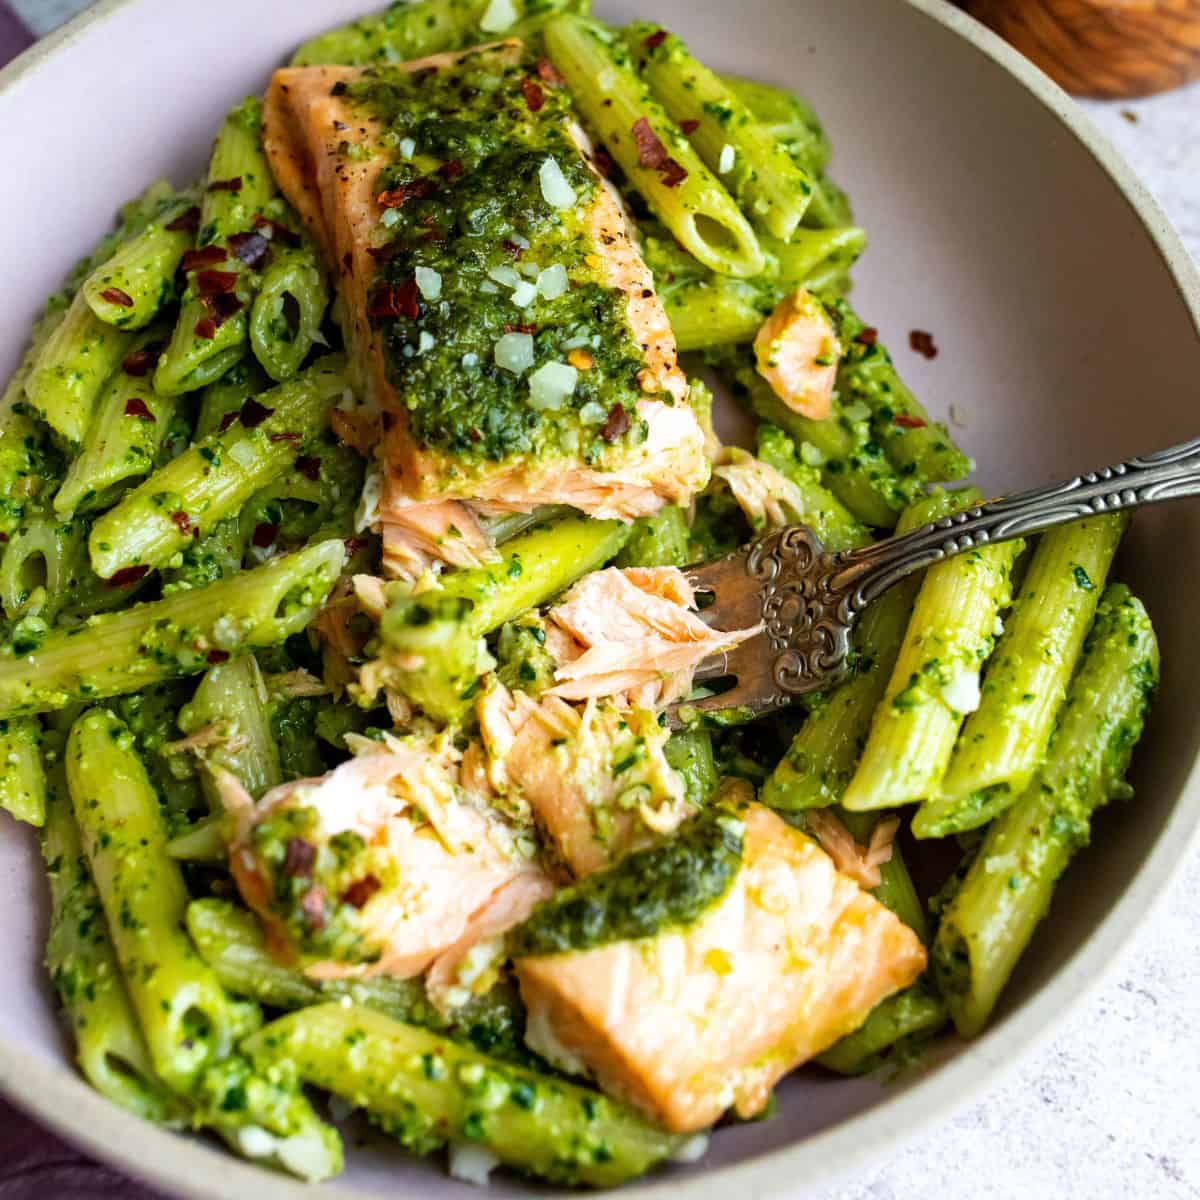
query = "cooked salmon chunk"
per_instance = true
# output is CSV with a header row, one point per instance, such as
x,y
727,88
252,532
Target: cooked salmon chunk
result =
x,y
697,1019
381,866
594,776
798,351
632,634
511,338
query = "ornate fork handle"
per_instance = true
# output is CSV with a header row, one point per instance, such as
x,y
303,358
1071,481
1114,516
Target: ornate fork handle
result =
x,y
859,576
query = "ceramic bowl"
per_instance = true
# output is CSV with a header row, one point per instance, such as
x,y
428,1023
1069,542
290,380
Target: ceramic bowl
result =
x,y
1066,313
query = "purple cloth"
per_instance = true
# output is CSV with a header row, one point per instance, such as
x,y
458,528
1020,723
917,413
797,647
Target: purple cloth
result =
x,y
34,1164
14,36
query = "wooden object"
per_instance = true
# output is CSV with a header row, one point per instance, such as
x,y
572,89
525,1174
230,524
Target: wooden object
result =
x,y
1108,48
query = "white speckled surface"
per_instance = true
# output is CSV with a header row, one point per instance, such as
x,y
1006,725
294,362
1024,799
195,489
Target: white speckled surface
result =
x,y
1110,1107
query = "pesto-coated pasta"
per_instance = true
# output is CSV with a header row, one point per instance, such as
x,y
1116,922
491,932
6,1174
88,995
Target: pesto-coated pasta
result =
x,y
659,161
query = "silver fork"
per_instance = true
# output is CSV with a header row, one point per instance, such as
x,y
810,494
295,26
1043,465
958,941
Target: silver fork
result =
x,y
809,600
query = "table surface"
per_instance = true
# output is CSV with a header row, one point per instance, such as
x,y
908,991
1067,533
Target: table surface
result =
x,y
1108,1108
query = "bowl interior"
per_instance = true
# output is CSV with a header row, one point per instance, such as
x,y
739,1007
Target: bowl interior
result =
x,y
992,226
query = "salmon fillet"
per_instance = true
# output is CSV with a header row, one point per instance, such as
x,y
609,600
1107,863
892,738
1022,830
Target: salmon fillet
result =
x,y
693,1021
387,862
624,441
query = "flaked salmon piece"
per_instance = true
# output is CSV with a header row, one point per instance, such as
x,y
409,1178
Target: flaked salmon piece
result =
x,y
378,867
797,351
328,155
634,634
860,863
420,537
595,776
467,967
769,498
696,1020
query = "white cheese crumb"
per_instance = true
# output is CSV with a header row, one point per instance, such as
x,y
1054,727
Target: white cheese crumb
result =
x,y
726,161
997,627
514,352
553,282
243,454
488,287
472,1163
505,275
556,191
857,411
391,216
693,1150
429,282
499,16
426,342
524,294
811,455
519,240
962,692
256,1142
407,148
551,384
470,359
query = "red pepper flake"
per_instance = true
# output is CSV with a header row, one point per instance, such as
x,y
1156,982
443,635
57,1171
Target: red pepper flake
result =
x,y
653,154
226,185
868,337
206,256
512,249
673,173
689,126
922,343
250,248
309,466
3,537
616,425
227,420
135,406
254,414
114,295
359,892
528,328
284,437
534,96
298,858
182,522
217,656
128,576
313,903
602,161
656,39
354,545
910,421
141,362
222,306
549,73
265,533
206,328
274,232
402,301
215,283
452,168
396,197
187,221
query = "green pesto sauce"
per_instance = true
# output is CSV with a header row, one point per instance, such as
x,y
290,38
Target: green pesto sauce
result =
x,y
666,886
315,901
471,134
